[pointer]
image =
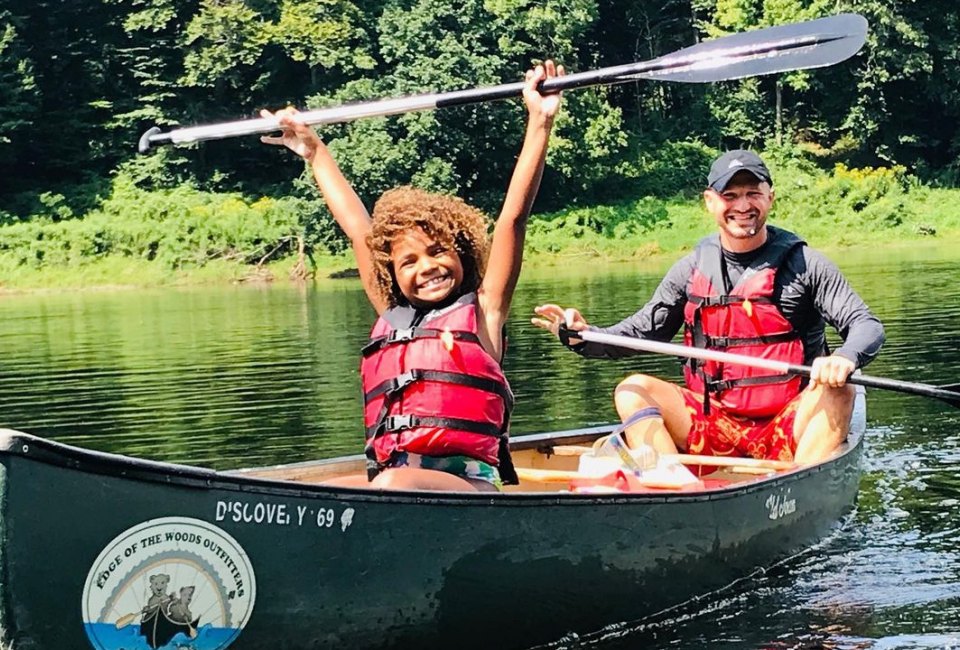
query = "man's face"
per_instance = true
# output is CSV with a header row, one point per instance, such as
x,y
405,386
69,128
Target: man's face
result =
x,y
740,211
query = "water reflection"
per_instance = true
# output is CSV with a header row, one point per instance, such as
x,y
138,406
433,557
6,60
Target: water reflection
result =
x,y
245,376
211,377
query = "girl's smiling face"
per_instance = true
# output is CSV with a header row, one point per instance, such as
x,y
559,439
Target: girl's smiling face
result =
x,y
426,271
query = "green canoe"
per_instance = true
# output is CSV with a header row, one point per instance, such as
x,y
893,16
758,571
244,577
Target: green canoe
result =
x,y
107,551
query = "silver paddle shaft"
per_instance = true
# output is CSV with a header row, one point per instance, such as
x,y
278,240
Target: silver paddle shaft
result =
x,y
948,394
345,113
672,349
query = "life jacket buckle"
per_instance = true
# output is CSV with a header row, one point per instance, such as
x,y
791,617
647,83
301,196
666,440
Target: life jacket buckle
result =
x,y
720,301
400,382
397,422
400,335
718,385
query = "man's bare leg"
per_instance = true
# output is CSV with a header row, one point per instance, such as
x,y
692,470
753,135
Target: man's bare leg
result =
x,y
822,422
666,434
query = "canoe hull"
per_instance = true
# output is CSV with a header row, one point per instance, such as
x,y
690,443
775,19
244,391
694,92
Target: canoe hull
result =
x,y
87,538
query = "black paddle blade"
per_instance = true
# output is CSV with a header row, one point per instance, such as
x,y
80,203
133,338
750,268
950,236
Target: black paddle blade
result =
x,y
949,393
952,395
797,46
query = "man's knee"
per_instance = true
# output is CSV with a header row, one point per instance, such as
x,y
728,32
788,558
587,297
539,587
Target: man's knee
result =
x,y
823,389
637,383
636,391
836,400
823,421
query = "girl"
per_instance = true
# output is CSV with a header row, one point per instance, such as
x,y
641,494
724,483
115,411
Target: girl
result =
x,y
436,403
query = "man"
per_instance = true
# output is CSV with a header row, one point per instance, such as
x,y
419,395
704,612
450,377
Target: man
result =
x,y
749,289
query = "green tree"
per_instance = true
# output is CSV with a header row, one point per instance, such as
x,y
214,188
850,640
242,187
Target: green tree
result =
x,y
431,46
18,89
61,54
224,41
149,60
907,78
326,35
754,109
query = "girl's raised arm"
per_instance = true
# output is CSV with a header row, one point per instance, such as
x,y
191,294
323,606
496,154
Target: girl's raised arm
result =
x,y
506,250
345,206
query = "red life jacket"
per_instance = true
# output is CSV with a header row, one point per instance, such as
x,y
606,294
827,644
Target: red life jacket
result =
x,y
430,388
743,320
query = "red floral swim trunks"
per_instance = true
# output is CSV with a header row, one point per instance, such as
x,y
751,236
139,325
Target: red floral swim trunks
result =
x,y
720,434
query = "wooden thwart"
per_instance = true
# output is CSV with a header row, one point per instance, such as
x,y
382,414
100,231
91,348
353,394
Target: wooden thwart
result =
x,y
566,476
736,465
693,459
547,475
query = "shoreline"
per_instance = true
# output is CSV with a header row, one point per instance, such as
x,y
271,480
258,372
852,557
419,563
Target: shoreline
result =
x,y
333,270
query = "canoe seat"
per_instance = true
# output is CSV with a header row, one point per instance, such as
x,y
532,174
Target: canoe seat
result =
x,y
568,477
738,465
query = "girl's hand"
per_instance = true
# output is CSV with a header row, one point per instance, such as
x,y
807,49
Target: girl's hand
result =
x,y
538,104
297,136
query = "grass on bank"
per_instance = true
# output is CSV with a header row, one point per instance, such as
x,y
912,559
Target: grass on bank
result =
x,y
186,236
846,208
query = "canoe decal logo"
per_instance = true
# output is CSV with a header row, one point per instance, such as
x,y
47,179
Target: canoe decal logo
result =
x,y
169,583
780,505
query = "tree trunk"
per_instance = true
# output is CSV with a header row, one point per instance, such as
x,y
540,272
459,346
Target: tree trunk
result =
x,y
779,119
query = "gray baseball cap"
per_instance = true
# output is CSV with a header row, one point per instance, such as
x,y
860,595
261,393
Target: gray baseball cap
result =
x,y
738,160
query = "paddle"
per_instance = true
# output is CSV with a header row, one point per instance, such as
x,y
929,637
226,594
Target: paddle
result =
x,y
949,394
797,46
127,619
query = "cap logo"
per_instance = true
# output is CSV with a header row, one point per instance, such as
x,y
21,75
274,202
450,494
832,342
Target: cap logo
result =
x,y
734,163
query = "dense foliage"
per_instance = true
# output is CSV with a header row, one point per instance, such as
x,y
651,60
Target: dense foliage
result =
x,y
81,80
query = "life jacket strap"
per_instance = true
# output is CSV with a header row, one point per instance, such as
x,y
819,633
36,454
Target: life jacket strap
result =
x,y
723,301
394,423
716,386
411,333
395,385
730,341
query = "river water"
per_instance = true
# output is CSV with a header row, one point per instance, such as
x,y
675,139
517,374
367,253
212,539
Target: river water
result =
x,y
240,376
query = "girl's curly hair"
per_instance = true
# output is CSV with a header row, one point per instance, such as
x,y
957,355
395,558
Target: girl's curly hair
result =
x,y
446,219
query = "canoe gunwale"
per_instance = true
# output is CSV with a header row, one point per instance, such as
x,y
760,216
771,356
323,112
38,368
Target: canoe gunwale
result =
x,y
16,443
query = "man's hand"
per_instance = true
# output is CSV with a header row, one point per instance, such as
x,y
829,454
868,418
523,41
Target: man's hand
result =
x,y
831,371
555,316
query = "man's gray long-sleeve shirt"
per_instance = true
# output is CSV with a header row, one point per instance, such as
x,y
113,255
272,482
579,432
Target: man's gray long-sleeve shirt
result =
x,y
809,290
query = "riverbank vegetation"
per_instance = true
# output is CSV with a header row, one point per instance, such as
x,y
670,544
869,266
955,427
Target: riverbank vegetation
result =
x,y
185,235
864,152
